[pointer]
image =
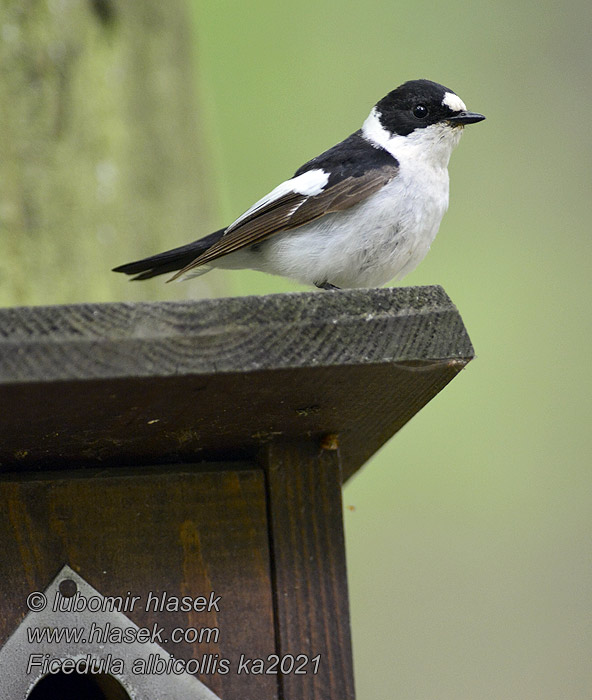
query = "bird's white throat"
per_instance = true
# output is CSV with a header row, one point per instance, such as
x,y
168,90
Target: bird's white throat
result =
x,y
433,144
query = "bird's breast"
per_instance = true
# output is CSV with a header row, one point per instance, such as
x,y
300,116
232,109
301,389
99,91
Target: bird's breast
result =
x,y
396,226
380,239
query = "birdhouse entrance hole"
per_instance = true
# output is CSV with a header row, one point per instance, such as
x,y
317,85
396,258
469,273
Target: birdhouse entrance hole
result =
x,y
78,686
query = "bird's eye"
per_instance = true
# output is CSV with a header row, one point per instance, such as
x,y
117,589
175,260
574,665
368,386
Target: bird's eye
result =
x,y
420,111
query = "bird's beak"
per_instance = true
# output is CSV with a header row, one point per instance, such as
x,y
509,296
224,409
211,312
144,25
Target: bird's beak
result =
x,y
466,118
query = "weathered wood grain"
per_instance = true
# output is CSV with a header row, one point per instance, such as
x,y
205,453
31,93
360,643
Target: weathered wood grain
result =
x,y
309,571
169,382
243,334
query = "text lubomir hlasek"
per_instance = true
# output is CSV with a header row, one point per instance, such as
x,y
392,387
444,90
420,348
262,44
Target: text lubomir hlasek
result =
x,y
154,602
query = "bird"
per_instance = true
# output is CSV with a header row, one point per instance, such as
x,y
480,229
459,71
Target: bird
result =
x,y
361,214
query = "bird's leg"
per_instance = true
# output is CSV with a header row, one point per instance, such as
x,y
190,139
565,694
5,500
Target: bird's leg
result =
x,y
325,285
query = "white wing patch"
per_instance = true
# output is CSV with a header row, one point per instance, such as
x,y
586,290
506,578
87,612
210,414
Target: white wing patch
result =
x,y
454,102
309,184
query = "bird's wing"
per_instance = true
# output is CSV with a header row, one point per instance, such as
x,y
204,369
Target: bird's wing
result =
x,y
328,183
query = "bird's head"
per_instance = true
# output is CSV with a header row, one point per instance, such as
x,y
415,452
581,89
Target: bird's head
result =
x,y
420,114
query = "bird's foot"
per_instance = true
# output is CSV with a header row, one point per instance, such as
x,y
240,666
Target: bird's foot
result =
x,y
325,285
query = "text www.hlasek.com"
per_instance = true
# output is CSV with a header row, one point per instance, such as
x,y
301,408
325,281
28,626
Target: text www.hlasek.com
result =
x,y
109,634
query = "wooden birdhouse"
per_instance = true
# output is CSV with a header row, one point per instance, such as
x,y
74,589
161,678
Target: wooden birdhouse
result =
x,y
171,475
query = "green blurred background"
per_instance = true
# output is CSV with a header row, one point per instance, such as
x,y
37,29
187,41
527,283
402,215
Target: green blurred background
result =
x,y
469,534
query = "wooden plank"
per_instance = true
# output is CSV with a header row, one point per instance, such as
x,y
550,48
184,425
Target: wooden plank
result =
x,y
182,532
309,329
168,382
309,570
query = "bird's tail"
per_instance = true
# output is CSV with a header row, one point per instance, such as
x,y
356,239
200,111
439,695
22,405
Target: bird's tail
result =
x,y
170,260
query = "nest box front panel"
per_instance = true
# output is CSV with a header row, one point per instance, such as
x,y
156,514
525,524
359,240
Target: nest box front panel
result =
x,y
185,554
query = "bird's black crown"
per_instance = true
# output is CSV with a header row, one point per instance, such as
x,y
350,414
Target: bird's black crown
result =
x,y
414,105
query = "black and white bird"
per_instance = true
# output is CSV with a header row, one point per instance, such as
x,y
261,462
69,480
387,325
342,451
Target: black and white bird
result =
x,y
359,215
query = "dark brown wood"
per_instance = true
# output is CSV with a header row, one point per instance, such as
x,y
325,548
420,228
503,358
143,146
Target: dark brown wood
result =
x,y
169,382
303,388
186,532
309,570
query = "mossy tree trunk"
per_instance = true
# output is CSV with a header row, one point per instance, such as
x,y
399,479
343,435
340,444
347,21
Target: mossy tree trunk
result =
x,y
101,157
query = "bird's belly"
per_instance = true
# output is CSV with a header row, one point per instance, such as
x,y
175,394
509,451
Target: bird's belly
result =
x,y
383,238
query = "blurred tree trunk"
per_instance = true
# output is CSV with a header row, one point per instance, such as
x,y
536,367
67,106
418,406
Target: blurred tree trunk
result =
x,y
101,159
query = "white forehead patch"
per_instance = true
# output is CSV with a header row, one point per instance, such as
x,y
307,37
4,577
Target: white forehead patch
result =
x,y
453,102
